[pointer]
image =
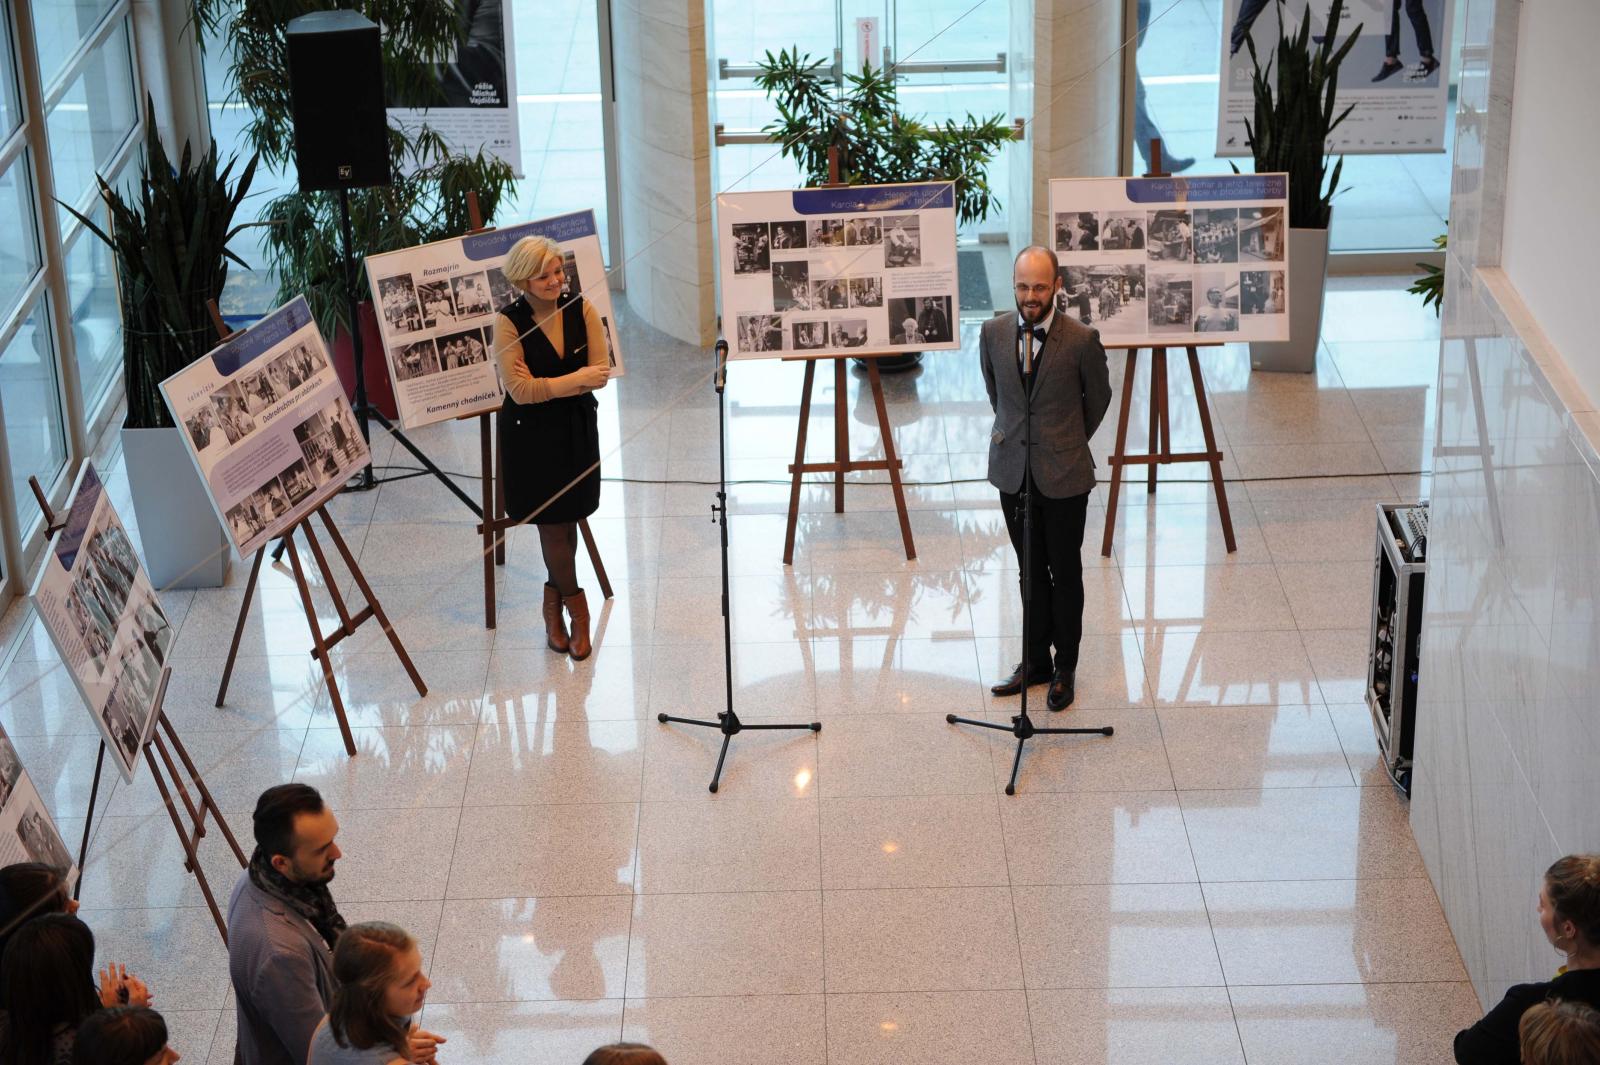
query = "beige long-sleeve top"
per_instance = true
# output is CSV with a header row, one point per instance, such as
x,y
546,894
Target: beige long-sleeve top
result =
x,y
523,386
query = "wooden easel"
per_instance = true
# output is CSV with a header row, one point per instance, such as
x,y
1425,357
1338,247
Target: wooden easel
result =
x,y
348,622
842,462
1161,453
189,835
493,523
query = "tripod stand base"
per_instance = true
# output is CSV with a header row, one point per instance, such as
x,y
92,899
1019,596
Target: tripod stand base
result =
x,y
729,725
1023,729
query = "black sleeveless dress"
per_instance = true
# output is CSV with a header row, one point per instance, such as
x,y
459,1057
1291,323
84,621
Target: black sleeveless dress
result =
x,y
545,446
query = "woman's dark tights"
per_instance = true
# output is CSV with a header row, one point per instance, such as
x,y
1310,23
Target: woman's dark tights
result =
x,y
559,545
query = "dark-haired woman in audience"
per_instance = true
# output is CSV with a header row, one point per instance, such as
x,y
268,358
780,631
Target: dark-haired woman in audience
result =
x,y
123,1035
625,1054
50,989
1569,913
1560,1033
28,890
380,987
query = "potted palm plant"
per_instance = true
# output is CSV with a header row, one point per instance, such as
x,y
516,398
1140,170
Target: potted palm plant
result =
x,y
169,239
1295,98
859,121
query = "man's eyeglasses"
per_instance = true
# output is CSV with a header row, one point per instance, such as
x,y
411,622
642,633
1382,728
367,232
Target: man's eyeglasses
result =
x,y
1036,290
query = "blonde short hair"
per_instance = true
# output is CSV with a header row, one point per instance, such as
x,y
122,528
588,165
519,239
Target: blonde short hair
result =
x,y
529,257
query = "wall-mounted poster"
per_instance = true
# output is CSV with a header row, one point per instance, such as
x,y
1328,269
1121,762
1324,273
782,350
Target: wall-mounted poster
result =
x,y
809,273
474,104
268,425
97,604
437,305
1162,262
1397,75
27,832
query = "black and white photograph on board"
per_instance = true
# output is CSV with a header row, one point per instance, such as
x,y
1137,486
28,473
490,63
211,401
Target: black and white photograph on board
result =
x,y
1108,296
848,333
232,414
1171,236
571,283
830,294
788,236
257,391
752,248
10,769
1077,231
1217,305
150,624
417,359
605,325
808,336
245,519
791,285
1216,235
1123,231
297,482
919,320
1261,292
863,232
41,844
397,298
299,364
1261,235
328,440
438,308
866,292
94,628
902,241
760,332
502,293
471,295
200,425
457,350
1171,302
824,233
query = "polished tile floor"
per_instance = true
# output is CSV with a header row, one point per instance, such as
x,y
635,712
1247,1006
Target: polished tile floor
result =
x,y
1230,878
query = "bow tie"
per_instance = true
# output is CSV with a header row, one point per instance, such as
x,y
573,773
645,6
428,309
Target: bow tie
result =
x,y
1039,333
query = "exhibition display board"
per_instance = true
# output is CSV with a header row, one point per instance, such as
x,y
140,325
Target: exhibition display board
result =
x,y
474,107
1399,106
437,305
815,273
96,602
27,832
1169,261
267,424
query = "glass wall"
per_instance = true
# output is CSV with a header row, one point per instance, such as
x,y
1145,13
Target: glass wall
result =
x,y
1387,202
30,394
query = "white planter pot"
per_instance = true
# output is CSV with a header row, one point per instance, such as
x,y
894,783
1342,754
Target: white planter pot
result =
x,y
1308,274
184,544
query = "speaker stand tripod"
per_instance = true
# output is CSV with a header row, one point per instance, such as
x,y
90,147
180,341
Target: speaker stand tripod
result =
x,y
1022,726
727,721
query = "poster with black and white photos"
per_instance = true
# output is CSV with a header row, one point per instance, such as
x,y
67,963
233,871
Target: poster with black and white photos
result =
x,y
472,105
810,273
268,425
1395,78
94,599
1175,260
27,831
437,305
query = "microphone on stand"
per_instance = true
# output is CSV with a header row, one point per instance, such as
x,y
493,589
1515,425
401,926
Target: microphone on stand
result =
x,y
1027,351
721,354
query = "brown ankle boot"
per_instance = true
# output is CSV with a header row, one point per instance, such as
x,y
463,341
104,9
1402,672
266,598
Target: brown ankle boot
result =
x,y
555,626
578,610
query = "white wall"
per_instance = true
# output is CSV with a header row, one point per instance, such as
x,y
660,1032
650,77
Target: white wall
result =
x,y
1552,222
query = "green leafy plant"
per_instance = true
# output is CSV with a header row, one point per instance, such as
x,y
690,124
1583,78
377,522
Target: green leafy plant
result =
x,y
878,145
1294,115
170,244
426,200
1430,286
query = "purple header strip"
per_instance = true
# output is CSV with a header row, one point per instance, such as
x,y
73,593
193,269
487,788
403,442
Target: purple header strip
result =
x,y
871,199
497,242
1221,187
266,334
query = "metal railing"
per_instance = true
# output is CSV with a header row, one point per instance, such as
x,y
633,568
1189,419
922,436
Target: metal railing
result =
x,y
722,136
997,65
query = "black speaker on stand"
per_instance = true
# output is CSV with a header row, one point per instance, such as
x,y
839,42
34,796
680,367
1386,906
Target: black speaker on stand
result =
x,y
341,142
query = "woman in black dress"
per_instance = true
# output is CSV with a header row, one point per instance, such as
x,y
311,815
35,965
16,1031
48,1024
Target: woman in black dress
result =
x,y
553,355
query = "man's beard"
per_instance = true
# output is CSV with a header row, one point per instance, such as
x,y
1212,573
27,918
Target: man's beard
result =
x,y
1034,317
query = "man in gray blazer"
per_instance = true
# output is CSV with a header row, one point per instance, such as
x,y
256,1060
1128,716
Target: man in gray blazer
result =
x,y
1069,392
282,925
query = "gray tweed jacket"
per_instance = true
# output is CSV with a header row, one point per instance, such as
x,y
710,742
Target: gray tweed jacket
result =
x,y
1071,393
282,974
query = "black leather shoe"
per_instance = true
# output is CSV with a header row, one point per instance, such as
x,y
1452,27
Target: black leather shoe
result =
x,y
1012,685
1061,692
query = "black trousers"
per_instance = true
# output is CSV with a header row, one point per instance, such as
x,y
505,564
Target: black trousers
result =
x,y
1419,26
1057,570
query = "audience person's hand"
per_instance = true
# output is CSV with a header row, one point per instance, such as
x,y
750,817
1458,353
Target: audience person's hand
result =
x,y
117,988
424,1046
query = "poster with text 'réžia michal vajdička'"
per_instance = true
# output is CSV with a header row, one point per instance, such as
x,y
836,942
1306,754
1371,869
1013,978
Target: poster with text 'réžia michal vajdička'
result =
x,y
267,423
437,305
96,602
1166,262
817,273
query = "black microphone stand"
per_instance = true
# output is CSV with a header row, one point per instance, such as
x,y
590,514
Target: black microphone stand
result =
x,y
727,721
1022,726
